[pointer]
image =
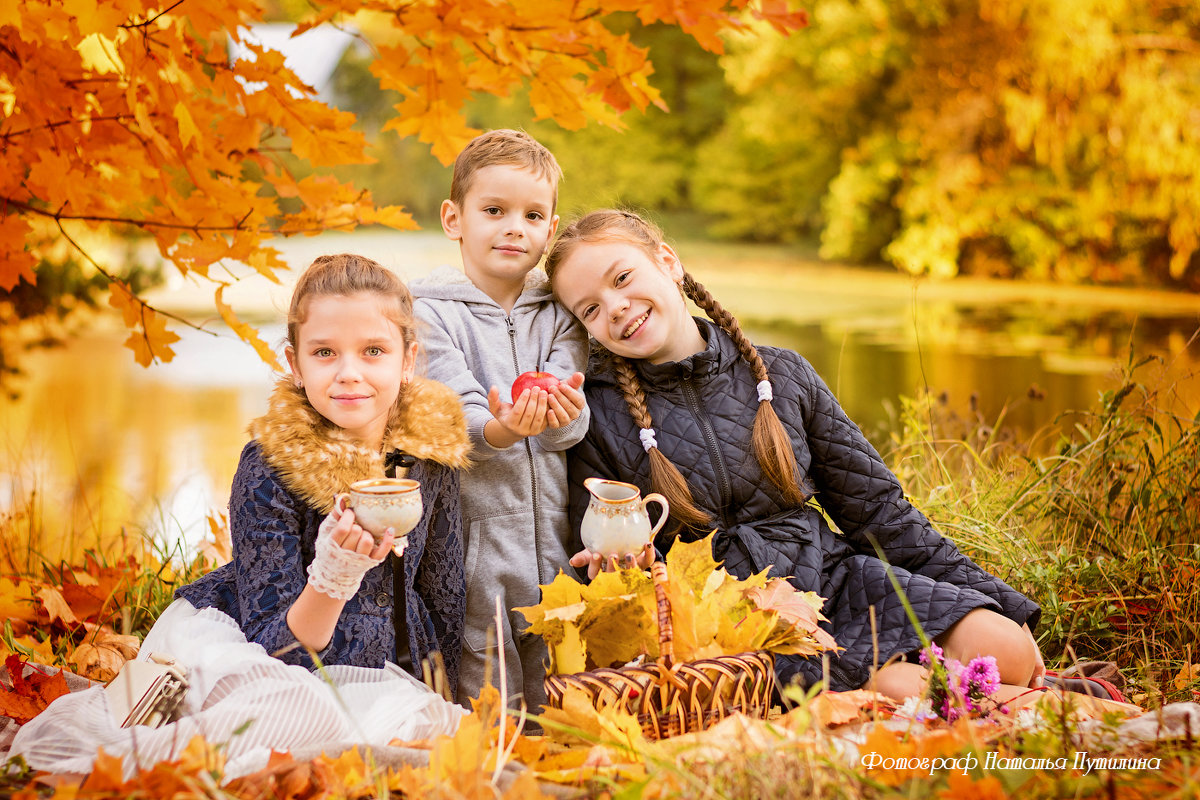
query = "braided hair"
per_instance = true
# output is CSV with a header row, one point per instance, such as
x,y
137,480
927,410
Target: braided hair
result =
x,y
771,444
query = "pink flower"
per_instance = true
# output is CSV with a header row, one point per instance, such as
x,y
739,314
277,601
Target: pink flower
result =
x,y
981,678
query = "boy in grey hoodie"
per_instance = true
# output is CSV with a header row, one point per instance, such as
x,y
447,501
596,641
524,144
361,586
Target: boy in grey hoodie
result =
x,y
484,326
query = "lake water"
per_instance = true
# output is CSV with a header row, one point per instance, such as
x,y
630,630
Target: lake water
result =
x,y
97,447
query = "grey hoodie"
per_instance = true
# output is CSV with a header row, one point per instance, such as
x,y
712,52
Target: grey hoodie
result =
x,y
514,501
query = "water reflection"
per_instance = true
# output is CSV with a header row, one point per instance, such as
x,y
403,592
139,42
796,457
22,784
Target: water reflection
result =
x,y
98,448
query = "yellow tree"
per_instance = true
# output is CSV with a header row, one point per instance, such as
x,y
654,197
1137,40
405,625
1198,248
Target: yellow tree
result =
x,y
129,116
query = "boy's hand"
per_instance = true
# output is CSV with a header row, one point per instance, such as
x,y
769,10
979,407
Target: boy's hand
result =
x,y
566,402
524,417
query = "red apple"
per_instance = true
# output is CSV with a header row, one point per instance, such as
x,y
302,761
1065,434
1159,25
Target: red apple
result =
x,y
528,380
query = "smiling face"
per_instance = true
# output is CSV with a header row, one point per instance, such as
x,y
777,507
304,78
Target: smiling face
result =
x,y
503,226
628,299
352,360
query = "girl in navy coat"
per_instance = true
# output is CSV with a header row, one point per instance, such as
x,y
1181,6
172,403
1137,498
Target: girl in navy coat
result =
x,y
749,441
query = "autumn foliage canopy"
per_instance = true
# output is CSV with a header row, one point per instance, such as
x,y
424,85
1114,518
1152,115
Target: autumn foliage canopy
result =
x,y
126,116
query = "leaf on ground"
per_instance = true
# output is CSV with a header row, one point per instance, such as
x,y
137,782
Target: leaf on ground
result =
x,y
462,763
57,608
609,726
40,651
283,778
1186,676
30,694
969,787
107,777
912,748
102,654
17,601
352,769
831,709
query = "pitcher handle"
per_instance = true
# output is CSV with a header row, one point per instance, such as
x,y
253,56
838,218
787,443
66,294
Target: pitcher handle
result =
x,y
655,497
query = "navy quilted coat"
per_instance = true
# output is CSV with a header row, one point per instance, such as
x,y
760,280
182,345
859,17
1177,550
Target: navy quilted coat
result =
x,y
703,412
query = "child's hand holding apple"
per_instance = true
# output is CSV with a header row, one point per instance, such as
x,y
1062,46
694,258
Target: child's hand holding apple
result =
x,y
539,401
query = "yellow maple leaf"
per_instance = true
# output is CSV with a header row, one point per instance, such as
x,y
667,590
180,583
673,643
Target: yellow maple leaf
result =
x,y
41,652
555,93
1186,676
619,629
153,341
578,720
57,606
17,600
99,54
352,769
187,126
246,332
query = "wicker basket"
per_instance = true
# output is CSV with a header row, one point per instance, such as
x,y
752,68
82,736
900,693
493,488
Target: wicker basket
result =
x,y
671,698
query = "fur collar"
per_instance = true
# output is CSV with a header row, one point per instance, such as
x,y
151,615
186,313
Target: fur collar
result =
x,y
316,460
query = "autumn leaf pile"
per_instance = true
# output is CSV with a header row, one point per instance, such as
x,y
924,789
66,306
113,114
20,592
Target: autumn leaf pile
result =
x,y
613,620
67,617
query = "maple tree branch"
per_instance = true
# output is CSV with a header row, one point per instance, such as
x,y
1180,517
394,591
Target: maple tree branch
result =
x,y
58,216
148,224
141,302
153,19
79,121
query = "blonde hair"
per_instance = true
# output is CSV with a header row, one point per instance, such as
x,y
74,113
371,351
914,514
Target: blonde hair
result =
x,y
346,274
772,446
502,147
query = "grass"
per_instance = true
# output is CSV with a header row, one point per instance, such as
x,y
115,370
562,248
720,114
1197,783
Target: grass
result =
x,y
1102,527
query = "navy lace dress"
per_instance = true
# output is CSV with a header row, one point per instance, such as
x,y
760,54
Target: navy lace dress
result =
x,y
274,538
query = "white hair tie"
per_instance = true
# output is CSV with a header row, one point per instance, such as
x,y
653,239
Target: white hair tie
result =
x,y
647,437
764,391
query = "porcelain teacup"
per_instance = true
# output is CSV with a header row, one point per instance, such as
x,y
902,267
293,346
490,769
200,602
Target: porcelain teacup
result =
x,y
382,503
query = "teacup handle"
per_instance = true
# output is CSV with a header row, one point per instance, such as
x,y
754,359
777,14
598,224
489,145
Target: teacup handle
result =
x,y
340,502
655,497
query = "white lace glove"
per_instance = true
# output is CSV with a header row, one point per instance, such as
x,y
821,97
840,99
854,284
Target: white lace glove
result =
x,y
336,571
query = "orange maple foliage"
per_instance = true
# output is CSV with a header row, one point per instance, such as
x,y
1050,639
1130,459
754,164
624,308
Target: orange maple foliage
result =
x,y
29,694
124,116
68,621
910,749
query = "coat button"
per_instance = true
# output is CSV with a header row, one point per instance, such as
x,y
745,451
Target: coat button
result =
x,y
383,599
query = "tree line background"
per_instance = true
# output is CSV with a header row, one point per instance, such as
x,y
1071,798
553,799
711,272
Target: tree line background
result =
x,y
1051,140
1028,139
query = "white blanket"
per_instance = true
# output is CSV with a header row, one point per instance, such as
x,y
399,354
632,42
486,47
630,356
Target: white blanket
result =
x,y
240,697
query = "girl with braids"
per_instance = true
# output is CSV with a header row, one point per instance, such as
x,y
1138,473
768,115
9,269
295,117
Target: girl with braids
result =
x,y
750,442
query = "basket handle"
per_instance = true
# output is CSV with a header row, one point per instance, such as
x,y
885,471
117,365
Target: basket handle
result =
x,y
666,629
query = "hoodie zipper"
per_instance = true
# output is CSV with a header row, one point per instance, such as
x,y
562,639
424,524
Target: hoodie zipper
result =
x,y
533,482
692,395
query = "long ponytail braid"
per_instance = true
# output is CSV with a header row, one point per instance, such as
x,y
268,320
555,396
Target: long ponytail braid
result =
x,y
772,447
665,477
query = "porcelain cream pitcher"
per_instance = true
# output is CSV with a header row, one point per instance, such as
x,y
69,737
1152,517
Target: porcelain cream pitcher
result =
x,y
616,521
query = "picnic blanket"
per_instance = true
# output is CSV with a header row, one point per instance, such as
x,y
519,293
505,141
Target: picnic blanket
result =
x,y
241,697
